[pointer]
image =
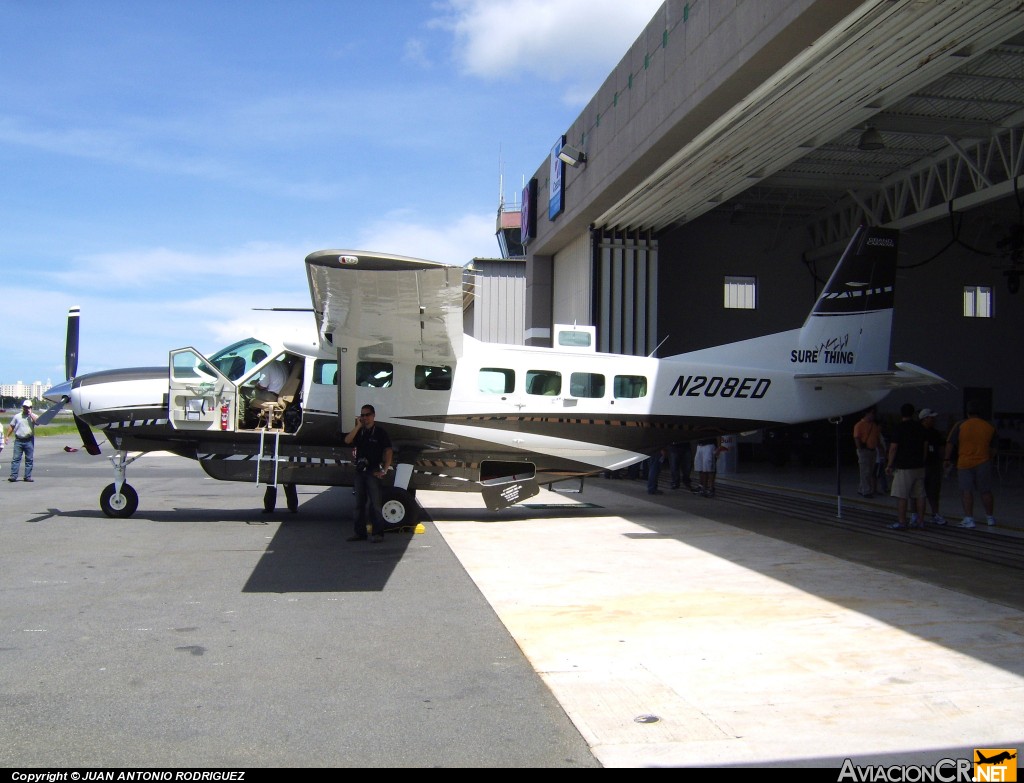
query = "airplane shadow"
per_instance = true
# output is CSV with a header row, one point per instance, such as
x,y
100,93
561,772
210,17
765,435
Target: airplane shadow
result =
x,y
520,513
312,555
308,552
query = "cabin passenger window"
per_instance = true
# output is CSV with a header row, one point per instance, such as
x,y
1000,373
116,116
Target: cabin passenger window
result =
x,y
325,373
630,386
977,301
433,378
543,382
740,293
378,375
586,384
496,380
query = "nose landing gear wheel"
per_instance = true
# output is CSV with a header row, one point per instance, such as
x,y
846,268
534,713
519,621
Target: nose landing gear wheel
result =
x,y
119,505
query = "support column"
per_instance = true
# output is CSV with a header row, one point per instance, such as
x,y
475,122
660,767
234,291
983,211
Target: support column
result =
x,y
537,325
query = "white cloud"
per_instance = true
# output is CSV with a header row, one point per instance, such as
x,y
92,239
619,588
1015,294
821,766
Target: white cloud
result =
x,y
160,269
138,304
575,42
455,241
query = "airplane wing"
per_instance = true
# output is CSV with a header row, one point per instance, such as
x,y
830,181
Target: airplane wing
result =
x,y
905,375
390,306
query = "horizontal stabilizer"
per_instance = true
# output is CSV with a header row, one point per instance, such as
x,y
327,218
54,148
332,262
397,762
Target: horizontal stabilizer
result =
x,y
904,376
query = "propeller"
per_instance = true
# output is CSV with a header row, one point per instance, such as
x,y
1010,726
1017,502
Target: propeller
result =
x,y
71,346
88,437
64,389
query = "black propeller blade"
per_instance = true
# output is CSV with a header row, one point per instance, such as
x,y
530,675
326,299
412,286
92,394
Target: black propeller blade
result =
x,y
47,416
71,349
70,366
71,370
88,438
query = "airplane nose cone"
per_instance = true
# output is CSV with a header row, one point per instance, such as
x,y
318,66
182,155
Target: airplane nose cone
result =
x,y
59,393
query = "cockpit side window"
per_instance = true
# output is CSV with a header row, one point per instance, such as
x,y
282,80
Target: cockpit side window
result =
x,y
239,358
187,365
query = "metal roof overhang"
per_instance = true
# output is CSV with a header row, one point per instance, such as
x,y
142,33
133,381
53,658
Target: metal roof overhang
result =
x,y
939,78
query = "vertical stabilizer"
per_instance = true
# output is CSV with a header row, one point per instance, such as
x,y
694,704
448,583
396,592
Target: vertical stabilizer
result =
x,y
850,327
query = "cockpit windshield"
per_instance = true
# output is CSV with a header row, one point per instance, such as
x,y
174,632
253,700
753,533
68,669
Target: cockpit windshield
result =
x,y
238,358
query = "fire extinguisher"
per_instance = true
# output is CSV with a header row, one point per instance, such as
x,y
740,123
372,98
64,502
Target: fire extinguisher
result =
x,y
223,414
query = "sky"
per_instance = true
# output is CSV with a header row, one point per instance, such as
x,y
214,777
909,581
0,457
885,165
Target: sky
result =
x,y
167,166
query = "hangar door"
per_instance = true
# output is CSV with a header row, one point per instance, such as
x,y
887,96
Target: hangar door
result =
x,y
626,291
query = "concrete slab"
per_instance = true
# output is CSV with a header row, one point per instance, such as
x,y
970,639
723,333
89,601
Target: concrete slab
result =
x,y
747,649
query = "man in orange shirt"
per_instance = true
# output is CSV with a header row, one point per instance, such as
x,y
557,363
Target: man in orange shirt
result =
x,y
975,440
867,437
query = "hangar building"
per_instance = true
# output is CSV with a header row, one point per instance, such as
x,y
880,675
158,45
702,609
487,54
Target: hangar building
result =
x,y
717,174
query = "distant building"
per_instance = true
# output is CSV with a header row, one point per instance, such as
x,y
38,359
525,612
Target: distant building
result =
x,y
495,304
22,390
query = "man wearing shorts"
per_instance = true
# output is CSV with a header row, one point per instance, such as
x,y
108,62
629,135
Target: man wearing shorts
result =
x,y
705,463
975,440
905,464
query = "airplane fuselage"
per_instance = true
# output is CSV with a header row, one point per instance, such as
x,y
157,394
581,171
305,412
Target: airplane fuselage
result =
x,y
597,412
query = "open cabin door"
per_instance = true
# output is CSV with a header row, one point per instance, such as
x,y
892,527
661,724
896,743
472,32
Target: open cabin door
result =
x,y
200,397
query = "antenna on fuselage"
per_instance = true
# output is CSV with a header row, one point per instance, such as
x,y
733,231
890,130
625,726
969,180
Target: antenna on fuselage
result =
x,y
651,354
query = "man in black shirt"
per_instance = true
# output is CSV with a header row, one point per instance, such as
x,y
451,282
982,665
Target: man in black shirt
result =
x,y
373,455
933,463
907,449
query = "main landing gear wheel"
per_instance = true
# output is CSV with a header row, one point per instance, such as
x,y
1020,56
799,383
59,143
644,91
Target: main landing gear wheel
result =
x,y
119,505
399,509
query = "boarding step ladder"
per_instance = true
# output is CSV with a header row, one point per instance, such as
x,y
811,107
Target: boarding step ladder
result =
x,y
269,449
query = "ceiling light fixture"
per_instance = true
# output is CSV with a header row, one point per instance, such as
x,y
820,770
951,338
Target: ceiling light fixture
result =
x,y
870,140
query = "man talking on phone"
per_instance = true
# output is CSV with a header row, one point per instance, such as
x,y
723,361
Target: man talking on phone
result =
x,y
372,454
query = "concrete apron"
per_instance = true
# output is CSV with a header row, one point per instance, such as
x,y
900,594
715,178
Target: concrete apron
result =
x,y
674,640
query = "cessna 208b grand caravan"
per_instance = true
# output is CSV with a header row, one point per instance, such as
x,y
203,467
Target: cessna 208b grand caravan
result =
x,y
470,416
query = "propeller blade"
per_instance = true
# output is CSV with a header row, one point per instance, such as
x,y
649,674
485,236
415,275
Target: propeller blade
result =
x,y
47,416
71,349
88,438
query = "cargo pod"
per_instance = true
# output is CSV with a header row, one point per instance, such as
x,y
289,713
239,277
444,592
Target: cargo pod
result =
x,y
505,483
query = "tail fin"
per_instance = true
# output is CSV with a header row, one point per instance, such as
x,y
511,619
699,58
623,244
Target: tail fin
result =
x,y
849,330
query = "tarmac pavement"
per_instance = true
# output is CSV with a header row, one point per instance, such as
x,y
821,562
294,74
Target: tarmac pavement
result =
x,y
202,633
608,628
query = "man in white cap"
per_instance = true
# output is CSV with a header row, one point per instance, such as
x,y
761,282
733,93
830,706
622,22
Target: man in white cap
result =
x,y
23,429
936,446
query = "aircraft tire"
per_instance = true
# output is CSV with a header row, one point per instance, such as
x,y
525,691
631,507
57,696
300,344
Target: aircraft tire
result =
x,y
399,508
119,506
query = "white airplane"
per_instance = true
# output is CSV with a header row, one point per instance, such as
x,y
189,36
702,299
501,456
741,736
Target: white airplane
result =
x,y
469,416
